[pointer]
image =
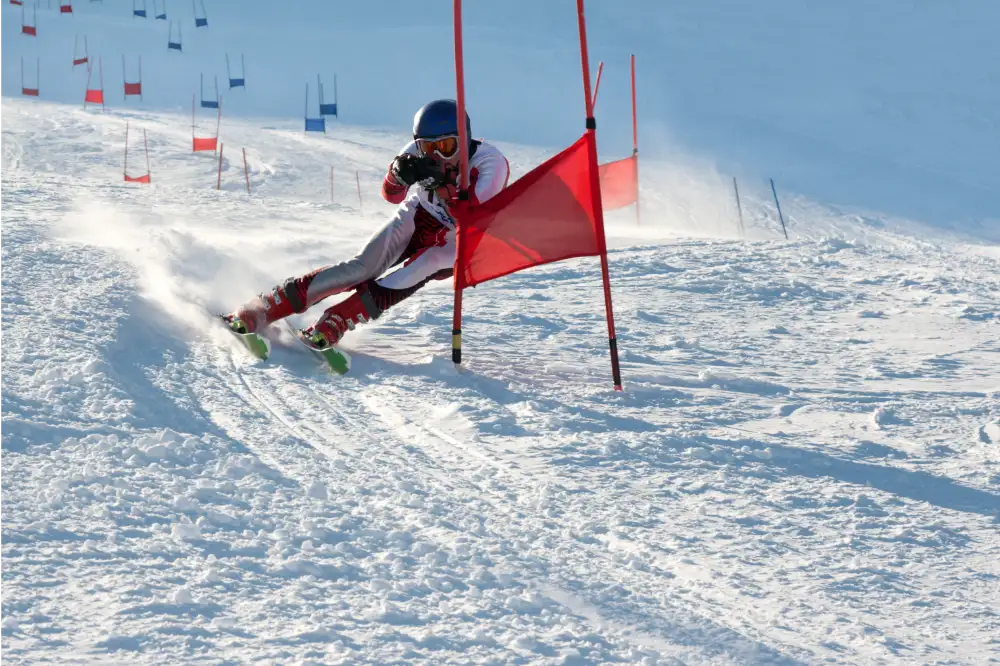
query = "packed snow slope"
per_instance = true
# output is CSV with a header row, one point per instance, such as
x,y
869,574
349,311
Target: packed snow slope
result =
x,y
890,105
803,467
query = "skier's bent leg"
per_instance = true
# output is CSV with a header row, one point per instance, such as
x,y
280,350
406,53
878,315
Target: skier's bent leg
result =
x,y
298,294
374,297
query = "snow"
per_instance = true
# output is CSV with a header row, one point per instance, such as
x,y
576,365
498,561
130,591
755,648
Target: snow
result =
x,y
803,467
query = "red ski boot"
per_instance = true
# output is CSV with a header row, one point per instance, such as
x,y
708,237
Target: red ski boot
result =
x,y
342,317
266,309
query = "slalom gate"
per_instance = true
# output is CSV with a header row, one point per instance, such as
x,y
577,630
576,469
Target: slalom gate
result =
x,y
146,178
199,144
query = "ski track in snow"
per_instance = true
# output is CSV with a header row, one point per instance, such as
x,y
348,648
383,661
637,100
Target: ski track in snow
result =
x,y
803,467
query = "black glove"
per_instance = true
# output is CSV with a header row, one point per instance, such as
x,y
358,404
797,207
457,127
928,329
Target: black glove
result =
x,y
408,169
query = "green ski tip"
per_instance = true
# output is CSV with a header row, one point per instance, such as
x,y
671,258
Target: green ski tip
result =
x,y
255,344
338,361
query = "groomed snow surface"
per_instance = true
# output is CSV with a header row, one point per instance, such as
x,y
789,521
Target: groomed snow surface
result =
x,y
804,466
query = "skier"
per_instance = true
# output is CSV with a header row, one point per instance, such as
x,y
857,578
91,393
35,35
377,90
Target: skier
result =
x,y
420,236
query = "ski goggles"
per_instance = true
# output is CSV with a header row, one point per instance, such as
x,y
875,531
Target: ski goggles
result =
x,y
444,146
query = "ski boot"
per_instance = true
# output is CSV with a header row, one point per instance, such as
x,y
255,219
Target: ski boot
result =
x,y
265,309
359,308
323,336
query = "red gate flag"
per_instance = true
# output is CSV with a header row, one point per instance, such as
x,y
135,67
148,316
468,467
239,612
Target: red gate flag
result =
x,y
94,95
210,143
551,214
619,183
545,216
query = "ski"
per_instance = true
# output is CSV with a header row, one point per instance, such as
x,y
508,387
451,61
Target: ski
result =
x,y
257,345
336,359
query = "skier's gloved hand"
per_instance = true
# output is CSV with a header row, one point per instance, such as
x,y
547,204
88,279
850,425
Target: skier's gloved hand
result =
x,y
408,169
446,185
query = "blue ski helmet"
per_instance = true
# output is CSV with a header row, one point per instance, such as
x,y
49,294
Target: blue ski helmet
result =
x,y
439,118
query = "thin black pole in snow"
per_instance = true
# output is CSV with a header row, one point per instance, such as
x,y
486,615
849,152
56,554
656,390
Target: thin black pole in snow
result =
x,y
778,204
739,209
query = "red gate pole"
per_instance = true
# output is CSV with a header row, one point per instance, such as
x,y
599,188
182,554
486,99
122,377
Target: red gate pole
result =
x,y
125,168
192,121
635,141
218,183
595,188
597,84
90,69
246,171
145,145
463,183
100,69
